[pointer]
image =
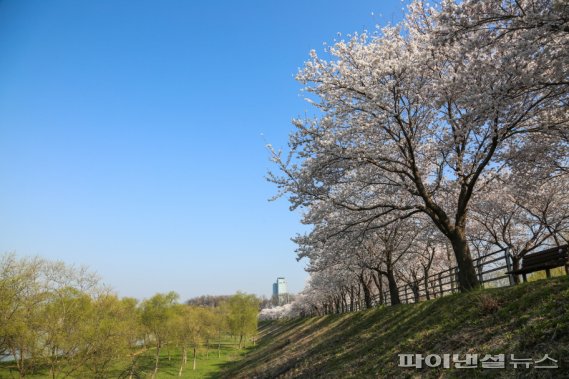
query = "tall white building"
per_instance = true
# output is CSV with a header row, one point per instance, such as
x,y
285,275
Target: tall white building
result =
x,y
280,294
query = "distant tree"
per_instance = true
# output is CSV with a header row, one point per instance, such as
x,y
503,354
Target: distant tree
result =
x,y
44,308
264,302
70,293
219,318
242,311
21,299
157,314
65,326
113,330
186,328
208,316
207,300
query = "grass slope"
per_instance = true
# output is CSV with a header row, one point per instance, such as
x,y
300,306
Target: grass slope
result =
x,y
528,320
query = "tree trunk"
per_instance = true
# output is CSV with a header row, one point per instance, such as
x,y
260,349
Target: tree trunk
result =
x,y
156,361
20,363
377,279
53,360
219,345
467,279
359,303
183,361
415,288
426,282
194,358
393,290
53,363
131,368
240,340
367,294
516,266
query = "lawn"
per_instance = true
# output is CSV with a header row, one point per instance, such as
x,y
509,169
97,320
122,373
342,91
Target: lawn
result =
x,y
207,365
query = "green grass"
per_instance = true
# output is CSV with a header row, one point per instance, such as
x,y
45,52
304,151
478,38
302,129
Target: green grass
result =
x,y
527,320
206,366
559,271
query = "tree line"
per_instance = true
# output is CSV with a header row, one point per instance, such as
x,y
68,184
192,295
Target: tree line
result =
x,y
435,140
61,318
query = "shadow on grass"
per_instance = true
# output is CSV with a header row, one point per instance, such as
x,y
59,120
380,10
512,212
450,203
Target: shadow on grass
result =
x,y
531,319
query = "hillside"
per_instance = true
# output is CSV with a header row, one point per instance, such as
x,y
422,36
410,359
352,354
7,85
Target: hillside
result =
x,y
528,320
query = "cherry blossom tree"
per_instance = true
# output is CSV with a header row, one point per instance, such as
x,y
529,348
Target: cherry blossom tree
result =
x,y
408,124
522,217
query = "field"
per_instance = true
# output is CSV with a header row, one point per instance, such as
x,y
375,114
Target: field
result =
x,y
207,365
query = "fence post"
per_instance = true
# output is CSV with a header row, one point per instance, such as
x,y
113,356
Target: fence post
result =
x,y
452,277
416,292
480,276
456,281
441,284
509,266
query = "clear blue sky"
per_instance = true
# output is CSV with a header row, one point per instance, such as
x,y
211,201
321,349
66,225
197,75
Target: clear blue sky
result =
x,y
130,135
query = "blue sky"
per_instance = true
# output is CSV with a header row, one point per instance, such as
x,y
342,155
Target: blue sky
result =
x,y
132,135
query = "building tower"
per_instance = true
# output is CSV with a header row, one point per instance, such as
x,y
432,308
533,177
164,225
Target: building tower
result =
x,y
280,294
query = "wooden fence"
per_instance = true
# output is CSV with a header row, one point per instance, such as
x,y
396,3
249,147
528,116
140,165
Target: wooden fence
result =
x,y
492,270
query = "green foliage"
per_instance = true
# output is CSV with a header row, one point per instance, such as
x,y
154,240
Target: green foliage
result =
x,y
242,311
65,314
158,310
19,296
158,316
113,329
57,321
157,313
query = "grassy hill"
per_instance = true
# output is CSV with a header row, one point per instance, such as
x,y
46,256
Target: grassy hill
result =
x,y
528,320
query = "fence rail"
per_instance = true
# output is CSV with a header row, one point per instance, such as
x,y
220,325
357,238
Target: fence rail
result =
x,y
492,269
